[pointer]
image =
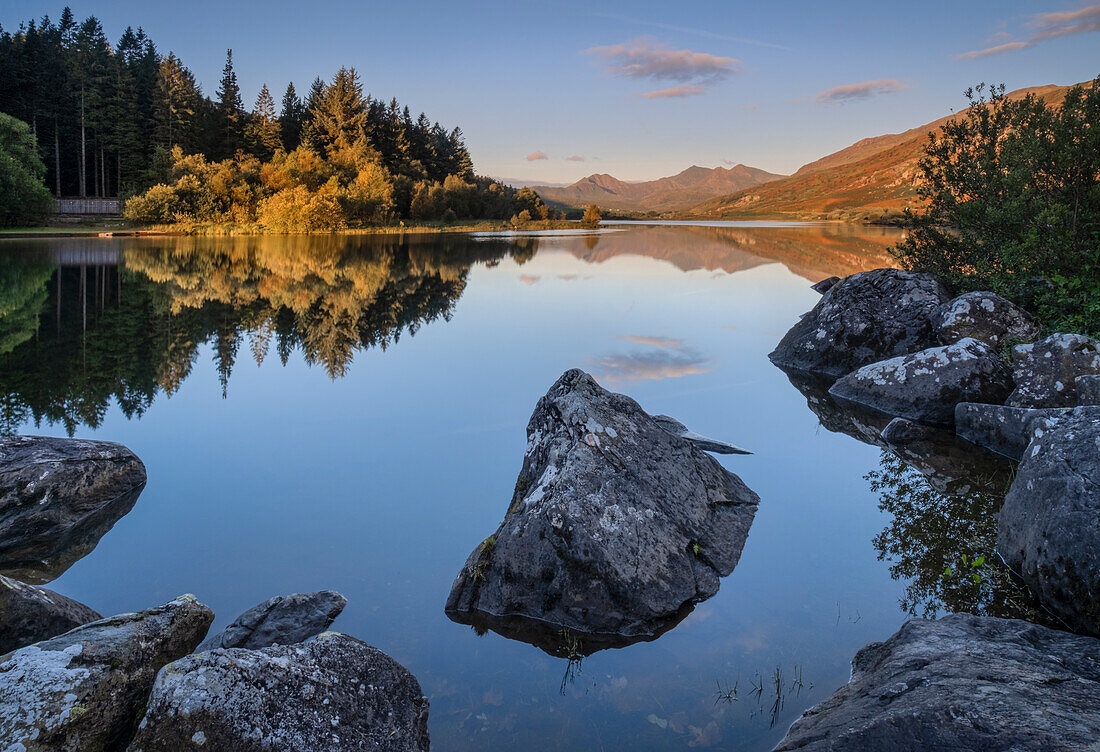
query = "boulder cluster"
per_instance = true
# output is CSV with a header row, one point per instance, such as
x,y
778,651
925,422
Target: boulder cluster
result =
x,y
72,680
890,357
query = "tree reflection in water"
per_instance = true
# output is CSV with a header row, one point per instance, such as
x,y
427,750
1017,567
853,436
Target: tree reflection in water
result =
x,y
945,546
75,336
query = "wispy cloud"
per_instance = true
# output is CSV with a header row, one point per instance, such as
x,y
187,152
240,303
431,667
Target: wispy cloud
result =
x,y
689,30
1053,25
663,342
673,92
667,359
750,107
862,90
535,156
644,58
575,158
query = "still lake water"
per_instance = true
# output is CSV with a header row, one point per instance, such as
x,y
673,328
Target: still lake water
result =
x,y
298,436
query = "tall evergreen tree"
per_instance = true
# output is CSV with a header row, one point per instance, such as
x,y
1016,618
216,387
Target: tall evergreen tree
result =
x,y
291,117
339,117
231,114
262,134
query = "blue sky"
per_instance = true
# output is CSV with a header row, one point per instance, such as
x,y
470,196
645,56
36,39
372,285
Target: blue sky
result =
x,y
772,85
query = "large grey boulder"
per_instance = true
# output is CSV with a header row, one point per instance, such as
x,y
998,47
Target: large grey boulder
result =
x,y
864,318
1046,372
85,689
962,683
1004,429
985,316
615,525
29,614
1049,527
58,497
925,386
282,620
334,693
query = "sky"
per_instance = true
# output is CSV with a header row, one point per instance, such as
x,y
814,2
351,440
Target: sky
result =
x,y
553,91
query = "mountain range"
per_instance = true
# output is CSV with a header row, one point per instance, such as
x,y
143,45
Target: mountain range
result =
x,y
874,178
690,187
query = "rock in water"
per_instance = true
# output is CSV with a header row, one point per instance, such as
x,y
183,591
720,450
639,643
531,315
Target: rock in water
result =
x,y
926,385
1049,526
862,319
1004,429
961,683
676,428
29,614
58,497
952,466
1046,372
985,316
824,285
283,620
615,525
334,693
86,689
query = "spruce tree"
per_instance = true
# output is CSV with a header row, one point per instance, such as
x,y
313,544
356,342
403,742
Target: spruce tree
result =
x,y
291,117
262,132
231,114
340,115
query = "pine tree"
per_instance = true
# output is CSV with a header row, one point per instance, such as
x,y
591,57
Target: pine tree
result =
x,y
262,134
231,114
340,114
291,117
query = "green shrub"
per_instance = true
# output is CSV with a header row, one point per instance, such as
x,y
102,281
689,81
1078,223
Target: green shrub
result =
x,y
24,198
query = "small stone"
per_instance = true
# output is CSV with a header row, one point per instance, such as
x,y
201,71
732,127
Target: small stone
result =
x,y
29,614
285,620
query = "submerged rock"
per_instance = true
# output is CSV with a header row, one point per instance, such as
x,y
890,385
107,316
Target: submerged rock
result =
x,y
961,683
29,614
1046,372
864,318
825,285
925,386
334,693
953,467
676,428
1049,526
283,620
58,497
1004,429
616,525
85,689
985,316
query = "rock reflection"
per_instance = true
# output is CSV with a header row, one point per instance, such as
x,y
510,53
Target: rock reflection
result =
x,y
80,329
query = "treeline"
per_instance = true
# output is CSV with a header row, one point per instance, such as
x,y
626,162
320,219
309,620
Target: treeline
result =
x,y
116,120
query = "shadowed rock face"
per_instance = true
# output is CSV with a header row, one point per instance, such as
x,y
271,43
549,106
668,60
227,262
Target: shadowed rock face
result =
x,y
925,386
334,693
862,319
961,683
85,689
283,620
616,525
29,614
1050,522
58,497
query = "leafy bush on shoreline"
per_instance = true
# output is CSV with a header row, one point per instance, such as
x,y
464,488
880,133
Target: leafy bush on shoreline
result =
x,y
1014,204
24,200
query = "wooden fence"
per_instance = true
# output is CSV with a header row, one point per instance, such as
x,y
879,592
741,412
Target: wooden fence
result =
x,y
99,206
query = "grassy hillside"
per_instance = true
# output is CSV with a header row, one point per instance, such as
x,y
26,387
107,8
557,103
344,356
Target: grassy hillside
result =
x,y
873,179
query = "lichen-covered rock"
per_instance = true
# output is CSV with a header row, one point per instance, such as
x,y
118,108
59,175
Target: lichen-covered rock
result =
x,y
58,497
283,620
1004,429
615,525
864,318
85,689
334,694
1049,527
29,614
1046,372
962,683
985,316
925,386
1088,390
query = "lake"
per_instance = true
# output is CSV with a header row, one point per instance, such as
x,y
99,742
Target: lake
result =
x,y
348,412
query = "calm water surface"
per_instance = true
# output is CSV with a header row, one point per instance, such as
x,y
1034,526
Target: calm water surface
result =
x,y
349,413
